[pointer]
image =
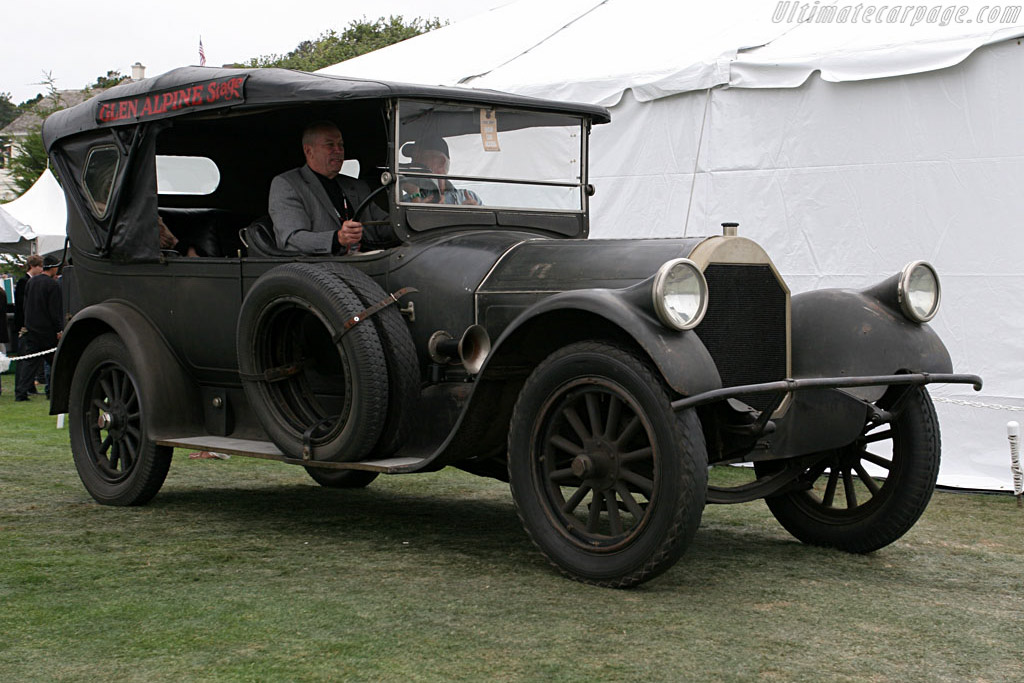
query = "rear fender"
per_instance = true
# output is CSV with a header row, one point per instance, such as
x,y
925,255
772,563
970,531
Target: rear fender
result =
x,y
170,398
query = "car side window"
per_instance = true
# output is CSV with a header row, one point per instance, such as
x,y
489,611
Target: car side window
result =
x,y
98,177
186,175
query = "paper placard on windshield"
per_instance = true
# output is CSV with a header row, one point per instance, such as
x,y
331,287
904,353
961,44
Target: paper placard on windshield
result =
x,y
489,130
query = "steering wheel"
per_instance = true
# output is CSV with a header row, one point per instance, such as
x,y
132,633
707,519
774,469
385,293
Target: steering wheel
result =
x,y
365,203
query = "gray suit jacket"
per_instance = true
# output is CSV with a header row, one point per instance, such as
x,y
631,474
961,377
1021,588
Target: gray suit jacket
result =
x,y
304,217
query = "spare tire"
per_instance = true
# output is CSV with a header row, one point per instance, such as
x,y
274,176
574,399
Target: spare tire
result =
x,y
318,392
399,355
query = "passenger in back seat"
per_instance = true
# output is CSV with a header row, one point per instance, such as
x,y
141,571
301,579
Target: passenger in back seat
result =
x,y
170,242
194,242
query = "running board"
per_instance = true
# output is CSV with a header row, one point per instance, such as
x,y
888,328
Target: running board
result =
x,y
268,451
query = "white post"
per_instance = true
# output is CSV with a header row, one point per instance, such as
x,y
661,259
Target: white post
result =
x,y
1013,434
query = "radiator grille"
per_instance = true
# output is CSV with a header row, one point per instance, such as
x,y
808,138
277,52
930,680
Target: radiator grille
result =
x,y
745,326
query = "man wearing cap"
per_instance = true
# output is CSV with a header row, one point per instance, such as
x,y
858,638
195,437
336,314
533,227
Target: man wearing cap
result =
x,y
312,206
432,153
43,324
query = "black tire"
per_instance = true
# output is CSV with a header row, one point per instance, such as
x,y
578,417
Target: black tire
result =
x,y
399,356
338,386
341,479
115,459
842,506
594,420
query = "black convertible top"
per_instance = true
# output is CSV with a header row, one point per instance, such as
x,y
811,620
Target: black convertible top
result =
x,y
193,88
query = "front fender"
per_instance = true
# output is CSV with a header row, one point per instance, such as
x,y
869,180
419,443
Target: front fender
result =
x,y
170,398
844,333
563,318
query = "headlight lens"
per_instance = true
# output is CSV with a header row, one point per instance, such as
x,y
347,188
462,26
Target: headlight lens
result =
x,y
680,294
919,291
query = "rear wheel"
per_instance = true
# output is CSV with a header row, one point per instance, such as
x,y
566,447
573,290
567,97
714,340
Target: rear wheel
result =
x,y
114,457
843,504
609,482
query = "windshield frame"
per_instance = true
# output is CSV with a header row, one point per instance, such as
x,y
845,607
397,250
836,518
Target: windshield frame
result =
x,y
400,169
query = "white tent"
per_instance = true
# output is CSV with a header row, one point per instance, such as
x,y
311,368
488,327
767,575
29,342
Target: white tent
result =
x,y
15,236
42,209
847,145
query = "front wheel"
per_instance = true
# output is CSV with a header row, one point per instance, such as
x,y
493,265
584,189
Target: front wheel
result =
x,y
114,457
609,482
842,504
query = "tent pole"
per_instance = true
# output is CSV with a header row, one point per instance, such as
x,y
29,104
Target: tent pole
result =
x,y
696,159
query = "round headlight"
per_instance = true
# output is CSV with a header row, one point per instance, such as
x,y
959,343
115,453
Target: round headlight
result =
x,y
680,294
919,291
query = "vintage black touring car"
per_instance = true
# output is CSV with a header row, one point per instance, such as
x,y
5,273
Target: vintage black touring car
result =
x,y
600,378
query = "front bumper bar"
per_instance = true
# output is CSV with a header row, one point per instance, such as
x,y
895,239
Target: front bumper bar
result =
x,y
786,386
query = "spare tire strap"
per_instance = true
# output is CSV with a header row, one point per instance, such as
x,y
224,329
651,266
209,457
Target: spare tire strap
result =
x,y
307,436
274,374
363,315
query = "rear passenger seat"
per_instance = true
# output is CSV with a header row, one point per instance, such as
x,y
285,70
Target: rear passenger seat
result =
x,y
212,232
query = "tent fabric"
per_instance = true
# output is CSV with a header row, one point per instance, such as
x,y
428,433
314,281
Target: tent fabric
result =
x,y
847,52
847,149
595,50
15,236
42,207
600,47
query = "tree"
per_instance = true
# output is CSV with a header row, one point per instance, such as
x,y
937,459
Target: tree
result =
x,y
8,110
109,81
360,37
29,163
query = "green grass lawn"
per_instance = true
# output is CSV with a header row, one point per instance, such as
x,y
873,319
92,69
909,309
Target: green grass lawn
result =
x,y
246,570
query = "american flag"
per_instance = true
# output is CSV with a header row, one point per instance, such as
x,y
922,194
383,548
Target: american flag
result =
x,y
202,53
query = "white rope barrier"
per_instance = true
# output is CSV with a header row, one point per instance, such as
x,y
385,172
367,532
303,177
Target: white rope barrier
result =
x,y
978,404
5,360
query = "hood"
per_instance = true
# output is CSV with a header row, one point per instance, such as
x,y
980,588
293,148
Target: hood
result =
x,y
562,265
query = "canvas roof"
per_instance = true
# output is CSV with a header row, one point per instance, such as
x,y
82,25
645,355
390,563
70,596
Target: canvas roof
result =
x,y
270,87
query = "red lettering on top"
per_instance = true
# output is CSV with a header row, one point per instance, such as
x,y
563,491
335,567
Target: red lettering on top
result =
x,y
146,106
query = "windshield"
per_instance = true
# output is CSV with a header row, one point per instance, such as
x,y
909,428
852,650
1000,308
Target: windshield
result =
x,y
467,156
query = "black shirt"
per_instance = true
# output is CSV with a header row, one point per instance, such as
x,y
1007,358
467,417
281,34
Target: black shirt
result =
x,y
340,202
4,338
19,303
43,310
337,197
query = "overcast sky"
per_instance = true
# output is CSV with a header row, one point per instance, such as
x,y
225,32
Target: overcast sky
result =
x,y
76,40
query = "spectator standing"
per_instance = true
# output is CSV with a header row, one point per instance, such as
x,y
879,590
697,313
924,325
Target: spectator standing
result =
x,y
43,325
4,334
4,338
33,267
